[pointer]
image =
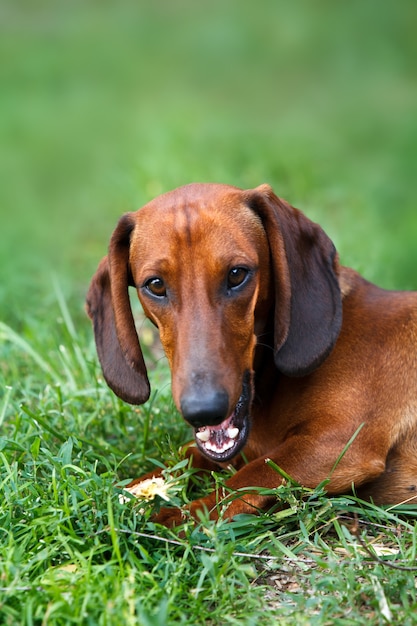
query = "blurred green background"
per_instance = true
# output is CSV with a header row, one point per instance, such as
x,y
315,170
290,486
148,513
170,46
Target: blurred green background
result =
x,y
104,105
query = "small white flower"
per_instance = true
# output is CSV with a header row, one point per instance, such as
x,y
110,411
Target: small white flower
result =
x,y
147,490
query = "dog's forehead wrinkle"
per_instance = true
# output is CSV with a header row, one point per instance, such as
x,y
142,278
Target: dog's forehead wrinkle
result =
x,y
197,209
203,226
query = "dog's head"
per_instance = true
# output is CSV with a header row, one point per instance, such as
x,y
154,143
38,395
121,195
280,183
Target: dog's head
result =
x,y
212,266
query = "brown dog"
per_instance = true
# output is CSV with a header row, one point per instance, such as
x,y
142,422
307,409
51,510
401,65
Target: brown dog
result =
x,y
276,351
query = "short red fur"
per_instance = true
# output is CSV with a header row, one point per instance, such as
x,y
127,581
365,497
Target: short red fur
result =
x,y
276,350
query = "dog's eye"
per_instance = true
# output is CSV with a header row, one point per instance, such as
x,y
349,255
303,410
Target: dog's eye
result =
x,y
156,287
236,277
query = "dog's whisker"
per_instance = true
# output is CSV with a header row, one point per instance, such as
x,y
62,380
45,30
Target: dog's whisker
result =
x,y
264,345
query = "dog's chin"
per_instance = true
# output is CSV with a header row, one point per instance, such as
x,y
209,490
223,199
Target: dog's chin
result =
x,y
224,441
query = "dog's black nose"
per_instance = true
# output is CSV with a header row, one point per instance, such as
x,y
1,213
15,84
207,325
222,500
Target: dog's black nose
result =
x,y
207,408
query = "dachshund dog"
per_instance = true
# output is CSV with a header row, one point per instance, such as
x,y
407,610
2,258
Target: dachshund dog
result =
x,y
276,351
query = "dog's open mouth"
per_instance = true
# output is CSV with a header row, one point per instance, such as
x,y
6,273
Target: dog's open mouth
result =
x,y
223,441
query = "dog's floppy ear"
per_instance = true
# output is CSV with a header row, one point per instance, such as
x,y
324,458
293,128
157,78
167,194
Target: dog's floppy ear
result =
x,y
108,306
308,304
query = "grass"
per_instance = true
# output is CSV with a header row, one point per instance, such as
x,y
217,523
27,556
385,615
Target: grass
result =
x,y
103,106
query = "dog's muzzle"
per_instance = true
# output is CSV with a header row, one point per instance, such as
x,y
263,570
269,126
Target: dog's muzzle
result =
x,y
221,442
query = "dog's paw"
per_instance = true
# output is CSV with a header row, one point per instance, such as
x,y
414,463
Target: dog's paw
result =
x,y
171,517
198,511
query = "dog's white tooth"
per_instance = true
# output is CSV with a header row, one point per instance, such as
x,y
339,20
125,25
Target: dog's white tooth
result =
x,y
203,435
232,433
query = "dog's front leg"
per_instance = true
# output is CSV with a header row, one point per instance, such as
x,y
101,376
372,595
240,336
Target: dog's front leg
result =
x,y
240,494
308,460
236,496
